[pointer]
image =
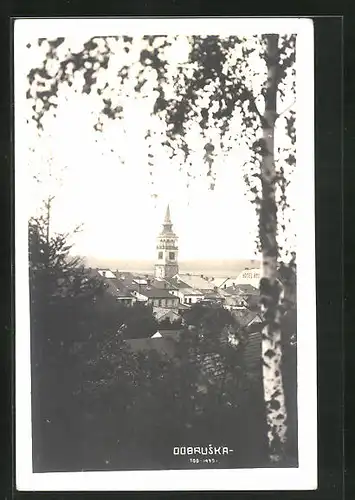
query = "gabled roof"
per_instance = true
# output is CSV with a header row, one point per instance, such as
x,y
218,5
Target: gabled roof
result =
x,y
176,283
248,289
106,273
223,293
242,290
140,281
167,334
156,293
112,285
196,281
161,313
163,283
211,295
191,291
184,307
219,282
226,283
252,352
245,317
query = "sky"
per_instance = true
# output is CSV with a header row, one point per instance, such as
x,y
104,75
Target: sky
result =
x,y
102,180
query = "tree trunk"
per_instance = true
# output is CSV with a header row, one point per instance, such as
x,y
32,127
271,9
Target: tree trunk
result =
x,y
270,287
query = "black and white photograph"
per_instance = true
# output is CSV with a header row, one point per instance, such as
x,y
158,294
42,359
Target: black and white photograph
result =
x,y
165,254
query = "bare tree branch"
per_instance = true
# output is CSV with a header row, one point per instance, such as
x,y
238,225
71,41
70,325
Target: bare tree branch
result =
x,y
287,109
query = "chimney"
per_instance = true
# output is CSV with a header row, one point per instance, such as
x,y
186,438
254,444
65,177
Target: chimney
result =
x,y
104,274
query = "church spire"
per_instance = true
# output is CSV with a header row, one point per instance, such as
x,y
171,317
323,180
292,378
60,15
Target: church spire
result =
x,y
167,219
167,225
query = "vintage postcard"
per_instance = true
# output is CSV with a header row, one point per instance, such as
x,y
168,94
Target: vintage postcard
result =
x,y
165,254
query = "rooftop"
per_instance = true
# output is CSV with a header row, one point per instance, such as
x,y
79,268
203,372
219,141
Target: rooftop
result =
x,y
245,317
163,284
106,273
176,283
196,281
161,313
152,292
190,291
167,334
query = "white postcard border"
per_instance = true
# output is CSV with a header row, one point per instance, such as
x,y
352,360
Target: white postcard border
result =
x,y
305,476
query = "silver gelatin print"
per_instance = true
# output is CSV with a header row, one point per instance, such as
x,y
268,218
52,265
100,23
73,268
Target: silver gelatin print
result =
x,y
165,283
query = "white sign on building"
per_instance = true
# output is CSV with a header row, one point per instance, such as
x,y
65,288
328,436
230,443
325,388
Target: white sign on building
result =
x,y
249,277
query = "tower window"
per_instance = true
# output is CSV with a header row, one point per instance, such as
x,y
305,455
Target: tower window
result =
x,y
172,255
160,255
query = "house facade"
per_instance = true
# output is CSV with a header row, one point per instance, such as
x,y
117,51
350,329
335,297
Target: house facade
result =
x,y
155,297
190,295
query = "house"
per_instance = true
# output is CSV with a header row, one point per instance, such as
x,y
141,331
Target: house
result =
x,y
224,283
134,281
213,297
124,297
156,297
241,296
249,277
246,318
190,295
196,281
165,284
219,281
252,324
183,307
163,314
114,287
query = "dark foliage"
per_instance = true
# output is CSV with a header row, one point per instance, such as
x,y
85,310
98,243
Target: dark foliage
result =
x,y
99,405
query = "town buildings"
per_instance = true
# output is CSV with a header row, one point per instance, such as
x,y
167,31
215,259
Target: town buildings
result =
x,y
170,292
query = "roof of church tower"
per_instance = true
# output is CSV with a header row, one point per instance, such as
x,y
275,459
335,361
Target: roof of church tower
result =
x,y
167,225
167,219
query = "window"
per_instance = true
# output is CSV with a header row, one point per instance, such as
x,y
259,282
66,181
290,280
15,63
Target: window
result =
x,y
172,255
190,300
160,255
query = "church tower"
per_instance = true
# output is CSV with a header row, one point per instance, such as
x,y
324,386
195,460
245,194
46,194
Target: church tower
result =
x,y
167,250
